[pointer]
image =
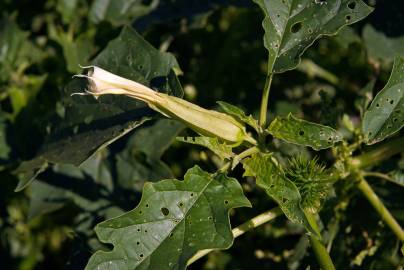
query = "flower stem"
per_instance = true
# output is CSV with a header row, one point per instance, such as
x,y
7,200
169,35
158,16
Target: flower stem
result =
x,y
384,213
245,227
264,101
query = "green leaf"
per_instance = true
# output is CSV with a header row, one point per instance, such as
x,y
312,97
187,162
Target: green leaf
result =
x,y
16,51
272,179
380,47
172,222
299,131
239,114
385,115
223,150
292,26
89,124
68,9
140,161
397,177
119,12
76,50
135,164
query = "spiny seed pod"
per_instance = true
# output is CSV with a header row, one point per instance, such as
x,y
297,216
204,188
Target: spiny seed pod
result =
x,y
311,179
205,122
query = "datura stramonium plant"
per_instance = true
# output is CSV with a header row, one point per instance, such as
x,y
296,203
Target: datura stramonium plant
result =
x,y
206,122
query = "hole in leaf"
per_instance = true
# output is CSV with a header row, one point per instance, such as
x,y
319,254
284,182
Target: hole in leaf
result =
x,y
210,218
348,18
391,102
145,231
165,211
147,205
377,105
137,243
180,204
310,31
141,255
395,120
301,133
296,27
138,230
226,202
140,67
190,222
171,234
352,5
192,194
140,212
278,15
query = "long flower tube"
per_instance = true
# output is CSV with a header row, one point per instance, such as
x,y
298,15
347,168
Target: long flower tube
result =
x,y
206,122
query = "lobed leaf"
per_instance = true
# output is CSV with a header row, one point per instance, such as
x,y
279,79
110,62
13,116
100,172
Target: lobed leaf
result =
x,y
223,150
173,220
302,132
385,115
291,26
239,114
273,180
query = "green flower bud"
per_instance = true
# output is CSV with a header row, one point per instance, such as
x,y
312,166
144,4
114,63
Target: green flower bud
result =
x,y
206,122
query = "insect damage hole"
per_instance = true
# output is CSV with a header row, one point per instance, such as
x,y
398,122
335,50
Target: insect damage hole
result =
x,y
165,211
296,27
301,132
351,5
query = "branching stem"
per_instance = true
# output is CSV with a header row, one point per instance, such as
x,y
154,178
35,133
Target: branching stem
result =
x,y
245,227
379,153
384,213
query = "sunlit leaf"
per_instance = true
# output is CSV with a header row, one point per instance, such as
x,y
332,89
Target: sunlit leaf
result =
x,y
293,25
172,222
239,114
223,150
385,115
299,131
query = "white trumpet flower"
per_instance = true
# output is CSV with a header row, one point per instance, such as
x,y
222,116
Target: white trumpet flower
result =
x,y
205,122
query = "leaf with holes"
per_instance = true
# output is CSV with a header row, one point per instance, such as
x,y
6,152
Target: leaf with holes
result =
x,y
172,222
299,131
223,150
239,114
291,26
385,115
273,180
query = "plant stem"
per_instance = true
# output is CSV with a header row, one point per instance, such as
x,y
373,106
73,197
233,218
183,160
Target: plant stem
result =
x,y
379,153
264,101
321,253
381,176
322,256
384,213
245,227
